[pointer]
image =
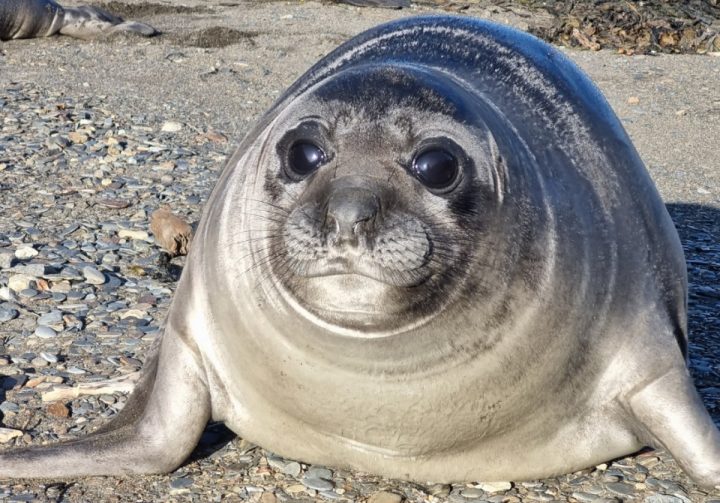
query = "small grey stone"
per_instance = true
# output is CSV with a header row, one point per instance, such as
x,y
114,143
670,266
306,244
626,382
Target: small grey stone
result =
x,y
317,483
6,260
39,362
292,468
93,276
48,357
662,498
75,370
52,318
586,497
31,269
28,293
45,332
181,483
319,473
473,493
6,407
7,314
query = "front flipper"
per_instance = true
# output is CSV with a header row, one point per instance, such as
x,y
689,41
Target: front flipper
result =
x,y
154,433
674,417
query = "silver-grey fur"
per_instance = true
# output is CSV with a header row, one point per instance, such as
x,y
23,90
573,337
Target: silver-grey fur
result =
x,y
528,321
43,18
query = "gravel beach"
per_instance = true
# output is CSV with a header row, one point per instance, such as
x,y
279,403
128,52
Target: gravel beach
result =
x,y
95,136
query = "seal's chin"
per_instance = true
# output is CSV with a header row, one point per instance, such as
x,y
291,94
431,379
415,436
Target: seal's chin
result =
x,y
349,300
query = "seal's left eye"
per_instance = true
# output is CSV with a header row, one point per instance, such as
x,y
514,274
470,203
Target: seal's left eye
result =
x,y
437,169
305,157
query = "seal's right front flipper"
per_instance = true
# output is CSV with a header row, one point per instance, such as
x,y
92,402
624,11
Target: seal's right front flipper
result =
x,y
156,431
674,417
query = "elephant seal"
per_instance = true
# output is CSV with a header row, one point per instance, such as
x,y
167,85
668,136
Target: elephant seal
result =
x,y
43,18
437,257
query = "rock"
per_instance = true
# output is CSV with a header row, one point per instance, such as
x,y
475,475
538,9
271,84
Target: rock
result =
x,y
7,314
439,490
171,127
172,233
385,497
317,483
268,497
93,276
78,137
293,469
20,282
7,294
662,498
51,319
45,332
11,407
6,260
58,409
25,253
38,362
7,434
133,234
494,487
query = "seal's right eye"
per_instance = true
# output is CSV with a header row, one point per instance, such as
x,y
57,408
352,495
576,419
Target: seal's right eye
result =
x,y
305,157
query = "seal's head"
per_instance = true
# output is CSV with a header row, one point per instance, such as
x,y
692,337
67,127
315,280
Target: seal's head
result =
x,y
377,185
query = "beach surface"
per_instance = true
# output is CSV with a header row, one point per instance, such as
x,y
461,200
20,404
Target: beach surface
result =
x,y
94,136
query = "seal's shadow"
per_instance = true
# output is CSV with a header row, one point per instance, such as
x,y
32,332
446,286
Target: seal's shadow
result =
x,y
699,229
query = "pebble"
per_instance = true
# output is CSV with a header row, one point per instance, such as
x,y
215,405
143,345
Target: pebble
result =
x,y
26,253
49,319
7,434
45,332
58,409
48,357
621,488
293,469
317,483
6,260
20,282
133,234
93,276
385,497
7,407
7,314
662,498
39,362
494,487
473,492
171,127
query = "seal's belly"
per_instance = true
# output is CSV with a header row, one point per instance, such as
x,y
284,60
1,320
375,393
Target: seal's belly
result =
x,y
444,428
444,447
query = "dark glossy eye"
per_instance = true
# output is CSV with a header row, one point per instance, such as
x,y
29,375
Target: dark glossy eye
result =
x,y
436,169
305,157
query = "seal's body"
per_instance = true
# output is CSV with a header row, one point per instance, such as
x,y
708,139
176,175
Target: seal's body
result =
x,y
43,18
437,257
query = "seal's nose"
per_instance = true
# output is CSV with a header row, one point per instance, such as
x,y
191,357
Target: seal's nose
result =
x,y
351,213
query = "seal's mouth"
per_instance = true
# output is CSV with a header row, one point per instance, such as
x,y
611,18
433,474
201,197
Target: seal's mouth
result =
x,y
362,266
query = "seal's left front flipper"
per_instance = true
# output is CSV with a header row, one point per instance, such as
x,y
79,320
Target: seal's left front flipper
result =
x,y
155,432
673,416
